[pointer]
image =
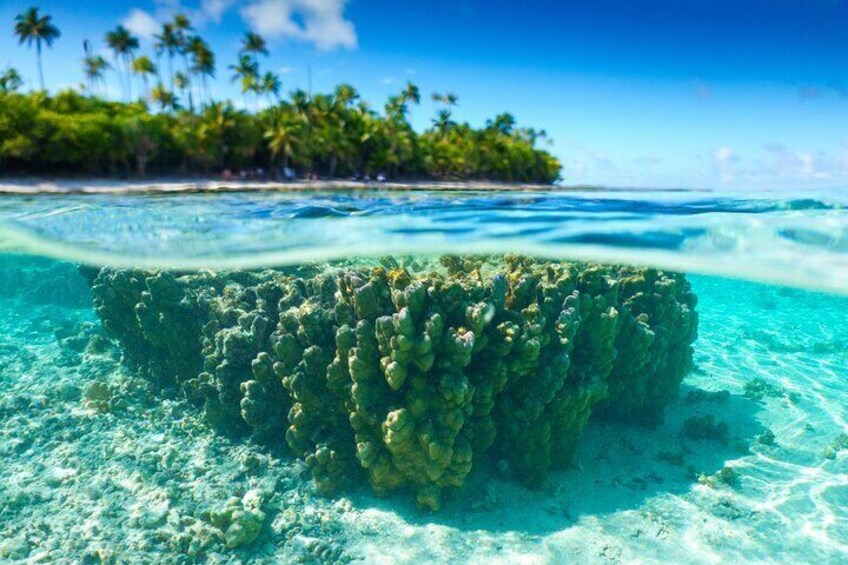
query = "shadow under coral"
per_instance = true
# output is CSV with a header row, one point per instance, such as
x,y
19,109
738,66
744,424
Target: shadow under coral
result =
x,y
617,467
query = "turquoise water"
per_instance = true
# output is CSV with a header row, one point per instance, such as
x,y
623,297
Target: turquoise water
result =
x,y
101,467
766,236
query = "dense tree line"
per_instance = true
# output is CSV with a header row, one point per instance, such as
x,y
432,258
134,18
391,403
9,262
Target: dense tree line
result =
x,y
174,125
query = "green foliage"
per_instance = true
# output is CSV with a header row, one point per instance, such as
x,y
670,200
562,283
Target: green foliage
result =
x,y
408,376
10,80
335,134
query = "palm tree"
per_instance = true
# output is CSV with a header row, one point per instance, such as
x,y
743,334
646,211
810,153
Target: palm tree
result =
x,y
216,121
94,67
168,41
503,123
271,85
396,106
144,67
123,44
31,27
253,43
443,121
164,97
183,82
246,71
284,136
345,95
411,93
182,25
448,99
203,61
10,80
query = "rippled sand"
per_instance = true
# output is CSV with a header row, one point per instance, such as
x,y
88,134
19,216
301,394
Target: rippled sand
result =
x,y
132,478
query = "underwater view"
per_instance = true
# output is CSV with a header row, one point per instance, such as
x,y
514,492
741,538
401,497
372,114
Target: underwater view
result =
x,y
429,375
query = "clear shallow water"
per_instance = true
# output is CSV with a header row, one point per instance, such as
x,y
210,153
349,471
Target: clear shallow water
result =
x,y
767,236
130,482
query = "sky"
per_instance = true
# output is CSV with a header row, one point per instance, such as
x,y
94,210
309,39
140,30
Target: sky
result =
x,y
740,94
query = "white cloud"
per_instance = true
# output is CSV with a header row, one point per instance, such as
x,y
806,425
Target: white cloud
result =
x,y
724,154
214,9
387,80
321,22
286,70
725,159
141,24
788,163
146,24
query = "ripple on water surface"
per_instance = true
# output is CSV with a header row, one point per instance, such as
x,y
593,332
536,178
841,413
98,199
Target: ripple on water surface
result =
x,y
766,236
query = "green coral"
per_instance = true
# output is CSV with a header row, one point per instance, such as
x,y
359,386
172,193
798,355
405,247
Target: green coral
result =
x,y
240,519
155,319
659,324
408,376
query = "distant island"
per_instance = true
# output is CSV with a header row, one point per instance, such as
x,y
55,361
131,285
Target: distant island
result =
x,y
174,127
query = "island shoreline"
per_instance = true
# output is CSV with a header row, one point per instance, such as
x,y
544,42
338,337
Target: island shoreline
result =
x,y
189,184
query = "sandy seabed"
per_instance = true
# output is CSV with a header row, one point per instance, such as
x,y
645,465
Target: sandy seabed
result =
x,y
98,469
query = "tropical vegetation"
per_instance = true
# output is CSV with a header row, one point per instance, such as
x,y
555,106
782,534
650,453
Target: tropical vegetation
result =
x,y
170,122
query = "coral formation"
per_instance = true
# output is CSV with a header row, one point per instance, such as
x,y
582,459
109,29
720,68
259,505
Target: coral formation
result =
x,y
408,374
240,520
838,444
706,427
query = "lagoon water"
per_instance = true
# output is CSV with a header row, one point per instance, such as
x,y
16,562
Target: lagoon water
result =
x,y
98,466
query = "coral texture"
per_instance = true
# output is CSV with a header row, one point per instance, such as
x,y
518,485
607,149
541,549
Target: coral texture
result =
x,y
408,374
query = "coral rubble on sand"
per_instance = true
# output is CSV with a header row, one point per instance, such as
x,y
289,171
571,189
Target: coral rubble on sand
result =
x,y
407,375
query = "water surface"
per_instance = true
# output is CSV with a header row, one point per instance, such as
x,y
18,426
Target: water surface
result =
x,y
766,236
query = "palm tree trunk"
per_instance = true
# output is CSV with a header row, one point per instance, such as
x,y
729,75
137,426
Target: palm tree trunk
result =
x,y
190,84
40,69
128,65
121,82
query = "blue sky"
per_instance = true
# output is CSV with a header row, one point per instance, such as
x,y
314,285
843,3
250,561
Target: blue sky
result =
x,y
726,93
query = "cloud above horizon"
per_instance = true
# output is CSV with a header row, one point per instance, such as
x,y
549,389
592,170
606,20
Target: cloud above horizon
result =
x,y
724,160
141,23
319,22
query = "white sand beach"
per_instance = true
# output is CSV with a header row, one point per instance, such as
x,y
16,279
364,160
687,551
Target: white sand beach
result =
x,y
189,184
